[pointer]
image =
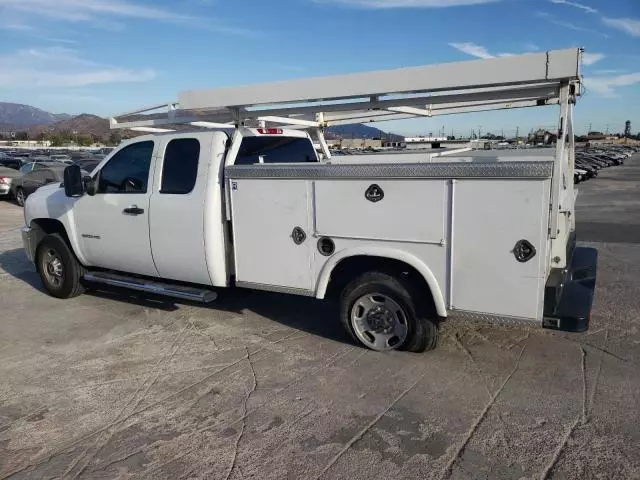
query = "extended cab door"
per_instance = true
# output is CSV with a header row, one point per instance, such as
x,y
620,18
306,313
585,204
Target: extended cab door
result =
x,y
180,193
113,225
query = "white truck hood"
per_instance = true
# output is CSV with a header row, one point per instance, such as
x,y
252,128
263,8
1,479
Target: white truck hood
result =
x,y
49,201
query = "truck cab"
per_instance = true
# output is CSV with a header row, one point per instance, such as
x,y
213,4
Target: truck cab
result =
x,y
149,206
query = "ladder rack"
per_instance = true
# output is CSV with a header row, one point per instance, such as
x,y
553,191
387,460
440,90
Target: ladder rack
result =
x,y
477,85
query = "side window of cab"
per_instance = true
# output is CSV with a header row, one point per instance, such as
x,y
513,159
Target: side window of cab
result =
x,y
128,170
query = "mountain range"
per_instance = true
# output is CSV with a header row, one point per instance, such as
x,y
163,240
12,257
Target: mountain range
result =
x,y
17,117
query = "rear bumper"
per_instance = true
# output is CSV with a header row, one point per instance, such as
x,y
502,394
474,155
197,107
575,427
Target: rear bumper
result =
x,y
569,293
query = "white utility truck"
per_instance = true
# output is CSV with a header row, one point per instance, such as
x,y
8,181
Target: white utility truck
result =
x,y
229,191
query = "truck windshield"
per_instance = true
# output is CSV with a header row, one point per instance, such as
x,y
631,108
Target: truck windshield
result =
x,y
275,150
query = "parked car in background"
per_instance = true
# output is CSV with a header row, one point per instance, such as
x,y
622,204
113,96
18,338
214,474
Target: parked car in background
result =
x,y
40,174
11,162
61,158
41,162
7,176
88,164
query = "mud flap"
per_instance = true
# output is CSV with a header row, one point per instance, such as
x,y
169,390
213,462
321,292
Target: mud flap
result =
x,y
569,293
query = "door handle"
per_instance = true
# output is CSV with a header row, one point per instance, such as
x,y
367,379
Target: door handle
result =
x,y
133,210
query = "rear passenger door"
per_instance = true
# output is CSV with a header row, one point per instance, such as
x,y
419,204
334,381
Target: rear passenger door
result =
x,y
177,220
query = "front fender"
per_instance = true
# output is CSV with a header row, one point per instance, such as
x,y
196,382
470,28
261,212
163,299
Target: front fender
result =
x,y
383,252
50,203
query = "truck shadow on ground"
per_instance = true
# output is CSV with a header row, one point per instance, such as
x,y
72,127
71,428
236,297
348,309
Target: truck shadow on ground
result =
x,y
15,263
301,313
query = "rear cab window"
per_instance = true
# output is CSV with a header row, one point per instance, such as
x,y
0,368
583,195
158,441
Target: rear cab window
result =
x,y
180,166
275,149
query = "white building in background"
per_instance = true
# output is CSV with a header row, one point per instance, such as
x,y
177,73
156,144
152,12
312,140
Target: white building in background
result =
x,y
424,139
26,143
420,143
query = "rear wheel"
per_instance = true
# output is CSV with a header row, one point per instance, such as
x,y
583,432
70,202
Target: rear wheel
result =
x,y
58,267
379,312
20,196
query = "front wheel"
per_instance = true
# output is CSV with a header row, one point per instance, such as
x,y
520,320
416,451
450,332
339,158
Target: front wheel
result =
x,y
59,268
379,312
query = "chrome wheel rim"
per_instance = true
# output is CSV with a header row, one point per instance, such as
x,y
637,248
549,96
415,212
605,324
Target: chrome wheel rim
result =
x,y
379,322
20,197
52,268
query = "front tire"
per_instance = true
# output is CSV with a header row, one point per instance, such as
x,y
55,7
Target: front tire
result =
x,y
59,268
379,312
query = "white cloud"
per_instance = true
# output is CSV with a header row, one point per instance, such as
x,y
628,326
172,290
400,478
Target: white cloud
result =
x,y
59,40
605,86
569,25
472,49
591,58
627,25
59,67
80,10
17,27
408,3
586,8
104,13
607,72
477,50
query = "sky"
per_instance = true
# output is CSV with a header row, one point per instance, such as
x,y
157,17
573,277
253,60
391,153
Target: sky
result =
x,y
109,56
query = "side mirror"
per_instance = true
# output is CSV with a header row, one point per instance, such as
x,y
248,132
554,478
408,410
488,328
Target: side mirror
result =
x,y
89,185
73,186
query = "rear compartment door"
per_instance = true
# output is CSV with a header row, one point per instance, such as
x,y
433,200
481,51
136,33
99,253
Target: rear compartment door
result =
x,y
272,217
489,218
272,232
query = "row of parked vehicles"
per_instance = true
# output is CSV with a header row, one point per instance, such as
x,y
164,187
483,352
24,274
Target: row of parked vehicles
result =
x,y
588,161
23,172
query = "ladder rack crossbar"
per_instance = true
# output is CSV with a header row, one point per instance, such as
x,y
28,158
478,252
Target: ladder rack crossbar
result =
x,y
477,85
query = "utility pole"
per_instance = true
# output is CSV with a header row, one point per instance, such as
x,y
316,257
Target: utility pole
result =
x,y
589,129
517,131
479,132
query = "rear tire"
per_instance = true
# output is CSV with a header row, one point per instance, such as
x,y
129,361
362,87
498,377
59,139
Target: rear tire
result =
x,y
379,312
20,196
58,267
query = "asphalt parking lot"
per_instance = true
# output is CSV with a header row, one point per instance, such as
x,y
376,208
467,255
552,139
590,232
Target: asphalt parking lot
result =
x,y
266,386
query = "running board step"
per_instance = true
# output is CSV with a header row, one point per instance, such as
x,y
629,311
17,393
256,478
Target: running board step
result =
x,y
193,294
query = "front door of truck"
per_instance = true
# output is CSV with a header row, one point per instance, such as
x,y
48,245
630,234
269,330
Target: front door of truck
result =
x,y
113,225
